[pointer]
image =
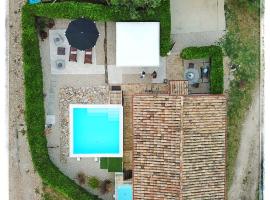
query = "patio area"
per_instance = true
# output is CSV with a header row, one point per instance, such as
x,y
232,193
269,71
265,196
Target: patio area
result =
x,y
58,57
60,64
197,72
60,50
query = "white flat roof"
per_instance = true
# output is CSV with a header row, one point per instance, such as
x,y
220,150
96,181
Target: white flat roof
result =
x,y
137,44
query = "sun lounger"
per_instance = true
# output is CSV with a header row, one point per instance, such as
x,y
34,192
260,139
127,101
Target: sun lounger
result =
x,y
88,56
73,54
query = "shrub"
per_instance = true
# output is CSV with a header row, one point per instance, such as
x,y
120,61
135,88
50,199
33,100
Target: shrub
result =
x,y
216,60
81,178
106,186
93,182
137,6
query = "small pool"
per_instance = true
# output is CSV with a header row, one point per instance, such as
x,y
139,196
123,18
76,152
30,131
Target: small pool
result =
x,y
34,1
124,192
96,130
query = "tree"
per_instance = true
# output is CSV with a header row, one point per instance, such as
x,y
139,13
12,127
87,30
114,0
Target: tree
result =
x,y
135,6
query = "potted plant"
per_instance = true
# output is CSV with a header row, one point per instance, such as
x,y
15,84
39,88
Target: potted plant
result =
x,y
93,182
81,178
50,23
43,35
106,186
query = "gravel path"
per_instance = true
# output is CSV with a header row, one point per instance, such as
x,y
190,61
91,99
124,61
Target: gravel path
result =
x,y
245,180
25,184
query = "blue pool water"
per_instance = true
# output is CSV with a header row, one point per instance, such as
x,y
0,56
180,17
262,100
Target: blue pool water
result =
x,y
124,192
96,130
34,1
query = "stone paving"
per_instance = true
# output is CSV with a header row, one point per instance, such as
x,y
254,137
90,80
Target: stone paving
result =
x,y
100,56
175,67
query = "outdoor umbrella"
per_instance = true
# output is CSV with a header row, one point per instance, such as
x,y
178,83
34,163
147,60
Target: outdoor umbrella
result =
x,y
82,34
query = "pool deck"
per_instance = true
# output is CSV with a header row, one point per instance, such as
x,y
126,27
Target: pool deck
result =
x,y
57,146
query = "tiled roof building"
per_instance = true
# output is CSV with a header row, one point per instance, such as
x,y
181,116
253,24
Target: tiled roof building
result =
x,y
179,147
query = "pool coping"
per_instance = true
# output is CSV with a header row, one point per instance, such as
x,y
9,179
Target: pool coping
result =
x,y
72,106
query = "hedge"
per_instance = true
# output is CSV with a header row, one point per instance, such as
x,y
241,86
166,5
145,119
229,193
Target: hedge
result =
x,y
34,108
214,53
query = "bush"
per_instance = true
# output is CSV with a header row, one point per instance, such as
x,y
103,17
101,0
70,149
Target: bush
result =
x,y
81,178
93,182
214,53
137,6
106,186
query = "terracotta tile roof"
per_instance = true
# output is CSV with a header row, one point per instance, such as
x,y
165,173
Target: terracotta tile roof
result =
x,y
179,87
179,147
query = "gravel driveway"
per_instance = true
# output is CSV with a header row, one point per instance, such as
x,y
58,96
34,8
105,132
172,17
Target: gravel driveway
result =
x,y
247,165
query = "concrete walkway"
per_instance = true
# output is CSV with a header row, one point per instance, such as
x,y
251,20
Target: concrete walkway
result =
x,y
196,23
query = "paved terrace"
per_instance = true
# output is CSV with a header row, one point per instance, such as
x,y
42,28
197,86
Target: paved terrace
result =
x,y
102,50
179,147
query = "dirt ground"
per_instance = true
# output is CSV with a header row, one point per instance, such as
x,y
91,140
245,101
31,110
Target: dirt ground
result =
x,y
25,183
245,180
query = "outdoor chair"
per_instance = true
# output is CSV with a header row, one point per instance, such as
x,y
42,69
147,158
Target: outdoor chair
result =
x,y
191,65
204,73
116,88
196,85
88,56
73,54
61,50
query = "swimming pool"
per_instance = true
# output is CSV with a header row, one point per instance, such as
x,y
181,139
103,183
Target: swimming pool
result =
x,y
34,1
124,192
96,130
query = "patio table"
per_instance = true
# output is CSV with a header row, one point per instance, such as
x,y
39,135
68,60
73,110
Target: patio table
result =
x,y
192,75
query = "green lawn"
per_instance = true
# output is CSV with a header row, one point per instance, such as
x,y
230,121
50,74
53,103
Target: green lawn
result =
x,y
103,163
112,164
